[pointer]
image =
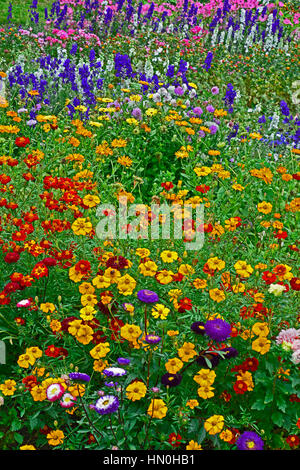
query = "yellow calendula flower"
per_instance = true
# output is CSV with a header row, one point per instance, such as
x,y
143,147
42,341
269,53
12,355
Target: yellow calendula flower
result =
x,y
84,334
217,295
86,288
82,226
169,256
261,345
99,365
199,283
165,277
215,263
26,360
148,268
47,307
260,329
38,393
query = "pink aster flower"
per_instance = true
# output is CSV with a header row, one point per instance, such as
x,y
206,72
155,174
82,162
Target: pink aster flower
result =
x,y
55,391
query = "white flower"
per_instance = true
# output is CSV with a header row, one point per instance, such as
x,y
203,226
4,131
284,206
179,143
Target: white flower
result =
x,y
276,289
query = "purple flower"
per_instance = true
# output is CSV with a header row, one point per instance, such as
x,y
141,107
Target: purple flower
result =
x,y
123,361
213,129
213,358
198,327
147,296
215,90
217,329
249,440
114,372
171,380
79,376
137,113
210,108
179,91
198,110
106,405
152,339
229,352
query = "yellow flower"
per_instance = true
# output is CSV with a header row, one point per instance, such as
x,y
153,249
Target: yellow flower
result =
x,y
217,295
88,299
165,277
261,345
243,269
99,365
74,275
91,201
55,326
142,252
186,269
84,334
151,112
168,256
136,390
205,377
74,327
100,350
130,332
160,311
215,263
101,281
264,207
174,365
226,435
126,284
214,424
125,161
200,283
202,171
86,288
87,313
82,226
187,352
38,393
192,445
8,387
238,187
27,447
35,352
247,378
205,392
192,404
26,360
55,437
157,408
47,307
260,329
148,268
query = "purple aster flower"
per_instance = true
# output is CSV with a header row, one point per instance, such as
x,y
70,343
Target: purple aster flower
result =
x,y
229,352
79,376
210,108
110,384
215,90
123,361
249,440
213,129
171,380
198,327
114,372
147,296
201,134
106,405
152,339
218,329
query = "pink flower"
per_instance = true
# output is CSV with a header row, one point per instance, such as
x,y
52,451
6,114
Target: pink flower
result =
x,y
24,303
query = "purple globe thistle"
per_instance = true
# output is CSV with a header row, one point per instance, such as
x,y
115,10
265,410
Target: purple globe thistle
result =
x,y
106,404
171,380
217,329
147,296
79,376
198,327
114,372
249,440
152,339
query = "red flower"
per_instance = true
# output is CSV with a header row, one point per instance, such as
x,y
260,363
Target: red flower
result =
x,y
280,235
202,188
40,270
12,257
22,141
174,439
185,304
269,277
167,185
251,363
293,440
30,381
240,387
52,351
295,283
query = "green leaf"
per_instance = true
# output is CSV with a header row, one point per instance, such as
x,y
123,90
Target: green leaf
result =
x,y
269,397
258,405
277,418
18,437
